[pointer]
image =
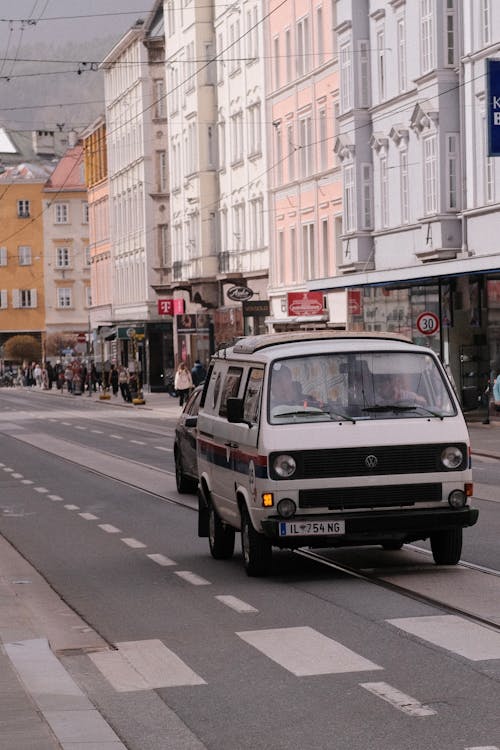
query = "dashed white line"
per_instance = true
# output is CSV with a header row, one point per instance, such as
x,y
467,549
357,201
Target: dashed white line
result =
x,y
134,543
55,498
67,424
72,507
161,559
41,490
117,437
399,700
89,516
192,578
161,448
137,442
483,747
97,432
236,604
27,481
109,529
79,427
7,468
18,476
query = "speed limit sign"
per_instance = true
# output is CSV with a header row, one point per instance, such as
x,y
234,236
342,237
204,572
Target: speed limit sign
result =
x,y
428,323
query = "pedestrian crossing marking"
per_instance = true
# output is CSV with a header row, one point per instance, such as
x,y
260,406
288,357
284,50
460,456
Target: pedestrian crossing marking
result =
x,y
399,700
453,633
304,651
144,665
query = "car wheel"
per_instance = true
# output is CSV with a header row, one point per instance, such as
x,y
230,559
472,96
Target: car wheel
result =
x,y
257,550
446,546
220,536
392,545
184,483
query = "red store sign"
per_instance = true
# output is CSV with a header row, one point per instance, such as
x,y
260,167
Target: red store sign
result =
x,y
170,306
305,303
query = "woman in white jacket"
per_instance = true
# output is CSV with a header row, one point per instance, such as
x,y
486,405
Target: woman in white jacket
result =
x,y
183,383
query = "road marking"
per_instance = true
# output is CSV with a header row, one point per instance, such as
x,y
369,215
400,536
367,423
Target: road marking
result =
x,y
117,437
192,578
453,633
399,700
68,424
138,442
236,604
79,427
109,529
483,747
304,651
6,468
134,543
27,481
144,665
161,448
41,490
72,507
97,432
55,498
161,559
89,516
18,476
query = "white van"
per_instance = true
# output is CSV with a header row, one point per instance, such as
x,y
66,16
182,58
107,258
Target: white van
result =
x,y
331,439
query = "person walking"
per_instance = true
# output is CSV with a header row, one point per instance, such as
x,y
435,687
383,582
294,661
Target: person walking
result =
x,y
113,380
183,383
198,372
123,382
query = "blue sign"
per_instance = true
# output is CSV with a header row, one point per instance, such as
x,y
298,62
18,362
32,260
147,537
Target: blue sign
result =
x,y
493,106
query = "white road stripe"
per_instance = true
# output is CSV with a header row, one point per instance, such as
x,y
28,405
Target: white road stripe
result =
x,y
72,507
6,468
192,578
27,481
41,490
138,442
144,665
67,424
398,699
79,427
236,604
117,437
161,448
134,543
161,559
18,476
109,529
89,516
483,747
456,634
303,651
97,432
55,498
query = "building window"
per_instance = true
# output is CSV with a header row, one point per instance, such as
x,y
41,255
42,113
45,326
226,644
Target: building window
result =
x,y
401,32
306,146
308,250
222,144
63,297
325,247
85,212
320,35
3,256
430,175
485,23
235,46
160,109
61,213
239,226
237,138
23,209
452,171
404,187
276,50
279,156
62,257
24,298
333,14
426,36
323,139
88,296
364,74
163,248
384,192
291,151
450,32
346,76
254,130
256,224
162,172
288,55
349,199
381,65
366,195
303,59
24,255
280,261
295,271
4,302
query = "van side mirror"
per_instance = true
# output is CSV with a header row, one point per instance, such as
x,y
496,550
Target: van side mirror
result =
x,y
235,409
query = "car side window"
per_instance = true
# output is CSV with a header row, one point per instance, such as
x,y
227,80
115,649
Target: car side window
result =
x,y
230,387
253,395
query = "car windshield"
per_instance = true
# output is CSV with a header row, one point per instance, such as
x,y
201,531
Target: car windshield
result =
x,y
358,386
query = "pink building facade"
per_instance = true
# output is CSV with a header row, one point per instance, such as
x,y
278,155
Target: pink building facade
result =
x,y
306,192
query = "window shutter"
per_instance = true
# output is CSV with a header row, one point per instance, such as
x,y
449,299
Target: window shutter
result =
x,y
33,298
16,298
3,256
3,299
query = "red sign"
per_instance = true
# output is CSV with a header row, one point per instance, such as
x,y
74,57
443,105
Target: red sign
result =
x,y
81,338
170,306
305,303
428,323
354,301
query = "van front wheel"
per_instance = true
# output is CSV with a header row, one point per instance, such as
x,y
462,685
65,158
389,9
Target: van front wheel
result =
x,y
257,550
446,546
220,536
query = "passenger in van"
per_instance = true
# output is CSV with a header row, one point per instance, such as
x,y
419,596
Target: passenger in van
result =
x,y
395,389
286,390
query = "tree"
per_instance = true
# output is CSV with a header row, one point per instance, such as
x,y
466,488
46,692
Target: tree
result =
x,y
55,343
20,348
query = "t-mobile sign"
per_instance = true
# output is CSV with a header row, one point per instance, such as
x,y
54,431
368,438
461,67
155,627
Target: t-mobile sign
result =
x,y
493,106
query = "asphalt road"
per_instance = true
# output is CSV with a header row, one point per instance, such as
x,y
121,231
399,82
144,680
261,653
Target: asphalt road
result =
x,y
315,656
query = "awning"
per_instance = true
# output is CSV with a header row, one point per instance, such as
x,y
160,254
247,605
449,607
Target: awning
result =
x,y
295,319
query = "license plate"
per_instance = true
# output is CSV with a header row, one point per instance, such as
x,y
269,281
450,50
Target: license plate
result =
x,y
311,528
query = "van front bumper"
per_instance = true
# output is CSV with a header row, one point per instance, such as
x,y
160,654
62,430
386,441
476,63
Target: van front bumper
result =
x,y
374,527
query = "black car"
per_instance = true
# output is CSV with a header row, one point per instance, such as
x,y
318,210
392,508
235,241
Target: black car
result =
x,y
186,464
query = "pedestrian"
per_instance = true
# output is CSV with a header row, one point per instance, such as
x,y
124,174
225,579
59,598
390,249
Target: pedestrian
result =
x,y
183,383
68,378
198,372
123,382
37,374
113,379
496,392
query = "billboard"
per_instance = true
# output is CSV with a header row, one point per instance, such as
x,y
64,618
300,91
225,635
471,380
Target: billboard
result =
x,y
493,106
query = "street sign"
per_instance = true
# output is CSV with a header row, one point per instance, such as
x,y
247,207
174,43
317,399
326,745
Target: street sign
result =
x,y
81,338
305,303
240,293
428,323
493,106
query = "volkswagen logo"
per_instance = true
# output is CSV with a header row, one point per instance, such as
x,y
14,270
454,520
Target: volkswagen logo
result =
x,y
371,461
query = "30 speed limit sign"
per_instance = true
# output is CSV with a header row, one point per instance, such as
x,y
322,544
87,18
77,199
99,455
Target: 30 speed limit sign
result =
x,y
428,323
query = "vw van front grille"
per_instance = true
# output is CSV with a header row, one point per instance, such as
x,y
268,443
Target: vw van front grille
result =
x,y
370,461
370,497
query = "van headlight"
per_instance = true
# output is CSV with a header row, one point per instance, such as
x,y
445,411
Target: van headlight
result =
x,y
457,499
451,457
284,465
286,508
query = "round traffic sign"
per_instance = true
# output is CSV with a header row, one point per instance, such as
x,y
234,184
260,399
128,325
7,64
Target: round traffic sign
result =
x,y
428,323
81,338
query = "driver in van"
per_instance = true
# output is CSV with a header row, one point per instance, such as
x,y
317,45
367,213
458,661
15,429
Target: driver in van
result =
x,y
395,389
286,390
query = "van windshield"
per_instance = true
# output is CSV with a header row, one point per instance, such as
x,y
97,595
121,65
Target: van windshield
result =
x,y
354,386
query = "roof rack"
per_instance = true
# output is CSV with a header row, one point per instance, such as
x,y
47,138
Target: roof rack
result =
x,y
251,344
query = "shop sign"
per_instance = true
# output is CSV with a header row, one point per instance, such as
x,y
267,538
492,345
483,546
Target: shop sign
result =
x,y
130,332
305,303
170,306
428,323
256,307
493,106
354,301
240,293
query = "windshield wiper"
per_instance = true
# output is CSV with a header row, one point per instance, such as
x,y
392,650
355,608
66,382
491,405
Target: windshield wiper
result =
x,y
313,412
431,411
389,407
